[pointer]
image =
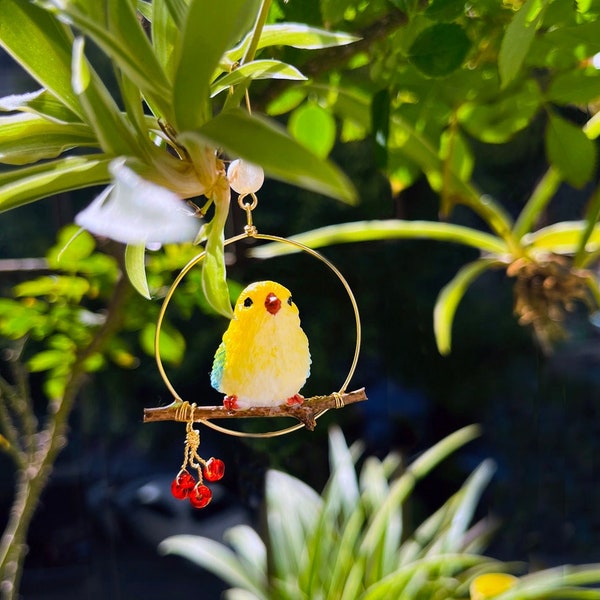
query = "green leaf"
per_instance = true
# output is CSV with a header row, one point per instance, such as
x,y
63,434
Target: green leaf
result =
x,y
440,49
171,343
135,267
20,186
314,127
214,273
363,231
210,29
40,102
126,44
257,69
497,121
164,34
518,38
63,286
445,10
403,486
296,35
48,60
449,298
570,151
563,238
265,143
457,154
48,359
27,138
216,557
537,202
580,86
101,110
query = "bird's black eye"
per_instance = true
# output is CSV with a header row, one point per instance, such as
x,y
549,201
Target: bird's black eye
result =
x,y
248,302
290,301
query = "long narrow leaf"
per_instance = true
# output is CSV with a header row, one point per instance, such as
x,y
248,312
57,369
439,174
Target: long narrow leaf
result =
x,y
41,45
449,298
100,108
136,268
42,103
562,238
265,143
211,555
25,139
297,35
542,194
367,231
20,186
257,69
402,487
210,29
143,68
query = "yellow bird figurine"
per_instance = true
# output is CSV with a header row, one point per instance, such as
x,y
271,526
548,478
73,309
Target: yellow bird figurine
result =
x,y
264,358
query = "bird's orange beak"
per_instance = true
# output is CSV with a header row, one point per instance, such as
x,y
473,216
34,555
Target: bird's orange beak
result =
x,y
272,303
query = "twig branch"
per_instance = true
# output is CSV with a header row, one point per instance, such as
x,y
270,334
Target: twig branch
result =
x,y
305,413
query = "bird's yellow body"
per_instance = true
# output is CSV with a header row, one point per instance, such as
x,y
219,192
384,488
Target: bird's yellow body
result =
x,y
264,359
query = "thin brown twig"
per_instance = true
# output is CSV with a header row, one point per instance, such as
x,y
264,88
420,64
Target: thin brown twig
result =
x,y
305,413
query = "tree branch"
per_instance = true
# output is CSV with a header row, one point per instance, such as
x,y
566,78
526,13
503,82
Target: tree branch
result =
x,y
305,413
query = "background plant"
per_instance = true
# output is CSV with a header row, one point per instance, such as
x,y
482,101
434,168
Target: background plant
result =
x,y
355,540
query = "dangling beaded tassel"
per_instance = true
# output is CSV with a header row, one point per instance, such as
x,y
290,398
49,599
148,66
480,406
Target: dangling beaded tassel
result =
x,y
185,485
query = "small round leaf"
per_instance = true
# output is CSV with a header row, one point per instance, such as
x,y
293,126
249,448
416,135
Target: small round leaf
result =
x,y
440,49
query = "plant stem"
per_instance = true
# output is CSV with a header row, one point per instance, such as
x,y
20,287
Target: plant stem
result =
x,y
542,194
33,476
257,31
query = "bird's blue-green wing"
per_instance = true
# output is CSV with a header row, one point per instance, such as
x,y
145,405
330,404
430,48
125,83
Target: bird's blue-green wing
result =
x,y
216,375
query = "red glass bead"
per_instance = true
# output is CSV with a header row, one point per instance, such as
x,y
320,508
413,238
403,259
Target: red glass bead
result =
x,y
200,496
214,469
182,484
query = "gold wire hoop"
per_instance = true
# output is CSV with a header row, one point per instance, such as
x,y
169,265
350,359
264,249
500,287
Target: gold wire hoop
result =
x,y
252,233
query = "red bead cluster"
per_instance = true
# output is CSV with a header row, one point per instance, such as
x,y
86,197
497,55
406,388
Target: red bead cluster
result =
x,y
185,485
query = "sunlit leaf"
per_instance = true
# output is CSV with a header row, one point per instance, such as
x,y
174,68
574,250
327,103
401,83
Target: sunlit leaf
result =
x,y
48,60
214,273
297,35
257,69
47,359
171,343
449,298
314,127
265,143
126,44
570,151
20,186
497,121
518,38
55,286
209,30
102,112
362,231
25,139
136,268
40,102
563,238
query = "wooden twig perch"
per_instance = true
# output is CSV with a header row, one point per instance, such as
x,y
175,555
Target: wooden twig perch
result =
x,y
305,412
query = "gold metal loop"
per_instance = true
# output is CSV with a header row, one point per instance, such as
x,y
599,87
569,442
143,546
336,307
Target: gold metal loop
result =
x,y
271,238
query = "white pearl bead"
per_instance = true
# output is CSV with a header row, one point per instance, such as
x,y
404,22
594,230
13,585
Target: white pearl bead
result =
x,y
244,177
